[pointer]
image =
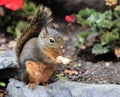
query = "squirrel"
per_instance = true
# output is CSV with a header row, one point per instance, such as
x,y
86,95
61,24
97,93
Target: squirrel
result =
x,y
38,48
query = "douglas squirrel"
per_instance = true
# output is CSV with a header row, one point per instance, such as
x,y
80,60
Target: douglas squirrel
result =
x,y
38,48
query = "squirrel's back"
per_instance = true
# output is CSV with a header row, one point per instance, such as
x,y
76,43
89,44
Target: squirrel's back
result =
x,y
42,19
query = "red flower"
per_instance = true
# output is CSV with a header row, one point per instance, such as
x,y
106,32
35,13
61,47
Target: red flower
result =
x,y
70,18
12,4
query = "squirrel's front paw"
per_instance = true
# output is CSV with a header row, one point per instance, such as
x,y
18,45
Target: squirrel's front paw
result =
x,y
31,85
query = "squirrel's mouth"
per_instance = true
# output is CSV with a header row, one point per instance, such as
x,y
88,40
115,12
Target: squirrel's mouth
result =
x,y
57,52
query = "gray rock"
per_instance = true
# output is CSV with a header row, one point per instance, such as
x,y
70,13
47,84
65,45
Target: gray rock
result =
x,y
8,64
8,67
7,53
63,89
8,59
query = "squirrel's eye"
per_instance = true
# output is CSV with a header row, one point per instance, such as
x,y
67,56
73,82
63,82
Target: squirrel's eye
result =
x,y
52,40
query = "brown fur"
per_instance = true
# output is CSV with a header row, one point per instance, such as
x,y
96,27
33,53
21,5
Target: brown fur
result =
x,y
38,73
42,19
52,53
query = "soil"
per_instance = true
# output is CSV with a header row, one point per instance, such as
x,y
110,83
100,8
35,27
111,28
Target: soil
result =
x,y
104,69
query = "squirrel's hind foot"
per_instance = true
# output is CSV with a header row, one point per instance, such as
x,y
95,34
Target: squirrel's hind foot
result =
x,y
31,85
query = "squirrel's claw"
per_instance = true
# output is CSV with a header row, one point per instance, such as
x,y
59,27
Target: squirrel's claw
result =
x,y
31,85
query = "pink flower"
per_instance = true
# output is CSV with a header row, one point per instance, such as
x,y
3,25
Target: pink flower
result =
x,y
12,4
114,3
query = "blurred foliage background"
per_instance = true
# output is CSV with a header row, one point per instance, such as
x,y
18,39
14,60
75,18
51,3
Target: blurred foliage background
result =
x,y
14,21
103,33
100,17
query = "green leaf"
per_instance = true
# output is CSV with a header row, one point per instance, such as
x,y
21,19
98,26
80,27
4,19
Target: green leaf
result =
x,y
83,15
2,84
117,23
77,45
95,29
77,65
85,12
20,27
11,29
99,49
22,24
95,18
61,77
82,37
117,14
85,23
106,24
110,37
80,20
107,15
30,8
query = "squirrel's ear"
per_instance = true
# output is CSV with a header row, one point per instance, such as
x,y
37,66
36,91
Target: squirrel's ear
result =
x,y
44,32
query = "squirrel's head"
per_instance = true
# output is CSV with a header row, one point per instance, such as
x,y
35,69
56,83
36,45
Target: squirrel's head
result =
x,y
51,39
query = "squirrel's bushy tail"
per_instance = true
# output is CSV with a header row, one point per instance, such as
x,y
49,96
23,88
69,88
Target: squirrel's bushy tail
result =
x,y
41,19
